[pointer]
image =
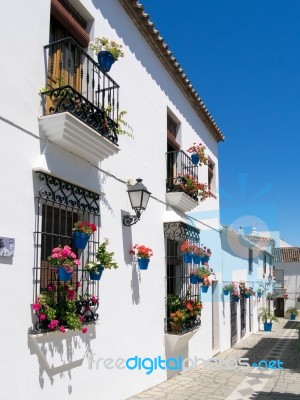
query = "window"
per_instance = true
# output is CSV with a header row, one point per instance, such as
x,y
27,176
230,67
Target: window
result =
x,y
180,294
59,204
211,176
250,256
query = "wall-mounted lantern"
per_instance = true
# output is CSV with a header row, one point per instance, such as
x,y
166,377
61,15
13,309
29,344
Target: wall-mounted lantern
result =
x,y
139,197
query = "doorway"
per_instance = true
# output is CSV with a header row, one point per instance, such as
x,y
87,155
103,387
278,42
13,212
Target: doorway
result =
x,y
279,307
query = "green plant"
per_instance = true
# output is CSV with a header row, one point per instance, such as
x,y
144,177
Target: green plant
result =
x,y
60,308
188,184
202,272
266,315
292,311
121,126
103,44
104,257
228,286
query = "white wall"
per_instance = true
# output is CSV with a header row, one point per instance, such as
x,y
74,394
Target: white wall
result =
x,y
131,302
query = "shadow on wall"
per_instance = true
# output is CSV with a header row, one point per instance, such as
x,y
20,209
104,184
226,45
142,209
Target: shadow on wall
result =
x,y
59,352
128,260
111,13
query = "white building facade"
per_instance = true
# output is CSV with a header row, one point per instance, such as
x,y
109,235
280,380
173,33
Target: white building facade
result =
x,y
63,162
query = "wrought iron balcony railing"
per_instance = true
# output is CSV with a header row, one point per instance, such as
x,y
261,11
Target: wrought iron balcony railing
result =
x,y
75,83
182,174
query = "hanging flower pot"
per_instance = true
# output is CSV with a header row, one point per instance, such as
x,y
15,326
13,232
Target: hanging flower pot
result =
x,y
187,258
143,263
204,288
63,275
200,279
80,240
226,292
258,294
205,259
193,279
236,299
96,275
195,158
105,60
197,258
247,295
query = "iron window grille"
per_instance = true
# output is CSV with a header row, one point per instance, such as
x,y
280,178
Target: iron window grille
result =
x,y
178,286
59,204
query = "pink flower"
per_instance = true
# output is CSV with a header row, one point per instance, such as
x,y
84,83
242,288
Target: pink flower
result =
x,y
36,306
76,262
55,255
71,294
77,285
73,255
62,329
65,253
51,287
53,324
81,318
56,250
94,299
42,317
84,329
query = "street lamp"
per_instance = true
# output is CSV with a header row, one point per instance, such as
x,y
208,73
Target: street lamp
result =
x,y
139,197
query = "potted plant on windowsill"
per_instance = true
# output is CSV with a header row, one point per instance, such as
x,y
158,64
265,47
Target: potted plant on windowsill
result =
x,y
60,308
293,312
143,254
104,260
81,233
65,261
107,51
198,154
267,317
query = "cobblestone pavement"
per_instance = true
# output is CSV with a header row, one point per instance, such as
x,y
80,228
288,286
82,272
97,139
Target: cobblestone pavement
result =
x,y
242,382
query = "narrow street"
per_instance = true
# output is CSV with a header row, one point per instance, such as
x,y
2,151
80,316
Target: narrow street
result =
x,y
243,382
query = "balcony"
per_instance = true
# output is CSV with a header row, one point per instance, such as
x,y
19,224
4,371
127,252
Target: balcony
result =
x,y
80,102
181,175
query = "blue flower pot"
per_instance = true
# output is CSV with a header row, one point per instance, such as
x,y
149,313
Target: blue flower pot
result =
x,y
187,258
105,60
293,317
236,299
197,259
204,289
247,296
63,275
259,295
94,276
143,263
80,240
268,326
205,259
195,158
226,292
200,280
193,279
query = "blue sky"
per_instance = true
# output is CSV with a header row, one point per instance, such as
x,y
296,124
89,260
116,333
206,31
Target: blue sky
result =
x,y
243,58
